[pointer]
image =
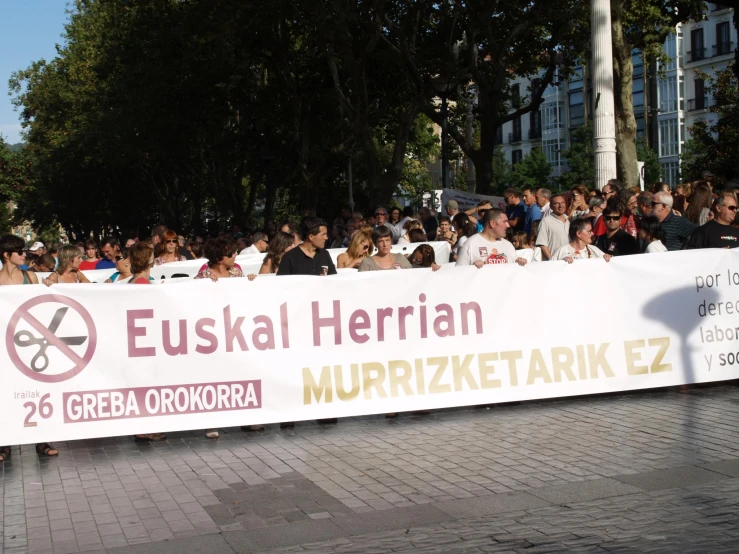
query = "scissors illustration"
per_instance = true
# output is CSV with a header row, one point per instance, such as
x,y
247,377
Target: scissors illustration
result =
x,y
40,361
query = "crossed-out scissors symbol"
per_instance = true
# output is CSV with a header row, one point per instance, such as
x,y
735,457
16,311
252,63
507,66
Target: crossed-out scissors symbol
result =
x,y
40,360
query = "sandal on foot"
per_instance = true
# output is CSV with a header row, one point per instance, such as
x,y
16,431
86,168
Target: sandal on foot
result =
x,y
391,415
4,453
45,449
211,434
151,437
252,427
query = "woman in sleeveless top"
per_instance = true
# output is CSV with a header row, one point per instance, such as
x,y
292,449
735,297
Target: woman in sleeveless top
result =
x,y
13,255
68,271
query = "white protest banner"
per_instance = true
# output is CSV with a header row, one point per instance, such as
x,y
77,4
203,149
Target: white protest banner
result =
x,y
467,200
91,361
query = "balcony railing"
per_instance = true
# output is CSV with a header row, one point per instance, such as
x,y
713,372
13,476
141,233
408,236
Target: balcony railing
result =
x,y
699,103
723,48
696,55
514,137
535,133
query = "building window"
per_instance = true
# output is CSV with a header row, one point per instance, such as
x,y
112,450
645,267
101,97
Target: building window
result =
x,y
577,109
516,156
550,116
668,94
516,95
535,125
699,101
515,136
669,137
671,173
697,48
499,135
670,49
638,91
640,128
723,39
551,151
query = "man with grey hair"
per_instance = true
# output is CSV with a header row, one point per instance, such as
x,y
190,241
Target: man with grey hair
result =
x,y
259,244
381,221
542,200
677,229
596,205
718,232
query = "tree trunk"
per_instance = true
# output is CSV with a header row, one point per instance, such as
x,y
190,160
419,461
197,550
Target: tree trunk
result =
x,y
623,71
483,158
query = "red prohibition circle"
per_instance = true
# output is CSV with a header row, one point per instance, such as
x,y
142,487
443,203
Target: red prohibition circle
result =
x,y
23,313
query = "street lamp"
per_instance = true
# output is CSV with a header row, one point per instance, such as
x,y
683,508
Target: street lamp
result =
x,y
443,86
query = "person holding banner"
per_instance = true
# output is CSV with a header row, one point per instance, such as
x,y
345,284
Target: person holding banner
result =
x,y
123,268
382,237
280,243
580,246
360,248
221,255
490,246
13,255
310,257
68,269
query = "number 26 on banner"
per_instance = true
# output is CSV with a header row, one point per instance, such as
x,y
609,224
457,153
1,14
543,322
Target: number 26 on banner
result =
x,y
44,409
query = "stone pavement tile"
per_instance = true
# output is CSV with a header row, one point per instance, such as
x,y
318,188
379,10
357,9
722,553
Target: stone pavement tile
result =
x,y
207,544
583,491
386,520
671,478
286,535
490,504
724,467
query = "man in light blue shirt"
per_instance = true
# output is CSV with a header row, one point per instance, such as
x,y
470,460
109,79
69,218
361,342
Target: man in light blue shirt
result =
x,y
534,211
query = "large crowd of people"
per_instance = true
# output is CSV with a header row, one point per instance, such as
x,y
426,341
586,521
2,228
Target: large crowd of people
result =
x,y
533,225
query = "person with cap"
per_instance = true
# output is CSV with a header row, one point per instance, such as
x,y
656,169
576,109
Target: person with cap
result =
x,y
38,248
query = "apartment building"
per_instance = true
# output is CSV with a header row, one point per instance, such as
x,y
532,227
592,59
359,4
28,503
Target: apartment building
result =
x,y
668,100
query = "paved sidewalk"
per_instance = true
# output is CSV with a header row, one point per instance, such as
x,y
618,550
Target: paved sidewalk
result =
x,y
653,471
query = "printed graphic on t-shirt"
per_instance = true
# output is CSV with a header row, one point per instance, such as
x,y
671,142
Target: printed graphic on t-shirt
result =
x,y
728,237
494,257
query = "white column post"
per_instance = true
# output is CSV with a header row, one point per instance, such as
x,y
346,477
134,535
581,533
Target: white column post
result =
x,y
604,121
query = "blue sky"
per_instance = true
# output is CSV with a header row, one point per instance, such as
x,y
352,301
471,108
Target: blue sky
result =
x,y
29,31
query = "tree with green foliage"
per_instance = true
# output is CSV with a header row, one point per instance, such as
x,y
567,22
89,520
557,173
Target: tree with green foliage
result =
x,y
642,25
532,171
580,158
448,45
715,146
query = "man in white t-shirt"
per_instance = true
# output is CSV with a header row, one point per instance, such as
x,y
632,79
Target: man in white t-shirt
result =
x,y
489,246
259,245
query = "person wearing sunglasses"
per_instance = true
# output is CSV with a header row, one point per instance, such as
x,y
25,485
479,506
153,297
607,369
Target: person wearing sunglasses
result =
x,y
381,221
616,241
122,268
677,229
13,256
171,252
718,232
361,247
